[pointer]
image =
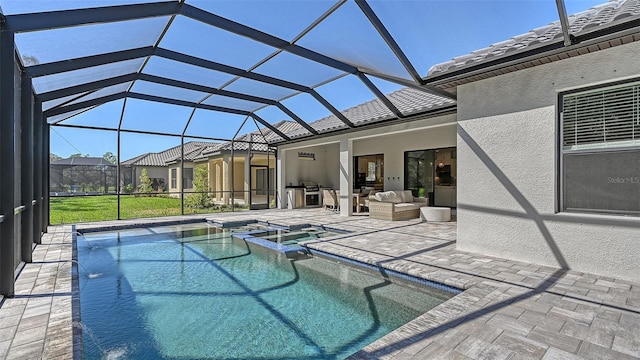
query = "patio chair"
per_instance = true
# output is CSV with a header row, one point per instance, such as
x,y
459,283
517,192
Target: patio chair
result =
x,y
363,200
330,199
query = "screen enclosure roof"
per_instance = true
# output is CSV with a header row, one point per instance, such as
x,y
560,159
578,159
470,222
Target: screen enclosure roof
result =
x,y
196,67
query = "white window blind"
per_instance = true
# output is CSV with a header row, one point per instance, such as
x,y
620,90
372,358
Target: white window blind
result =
x,y
604,118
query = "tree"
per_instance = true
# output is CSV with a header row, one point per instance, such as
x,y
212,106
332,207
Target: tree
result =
x,y
110,157
54,157
78,155
200,198
145,182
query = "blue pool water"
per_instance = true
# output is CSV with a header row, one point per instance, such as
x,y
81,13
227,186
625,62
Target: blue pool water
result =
x,y
195,292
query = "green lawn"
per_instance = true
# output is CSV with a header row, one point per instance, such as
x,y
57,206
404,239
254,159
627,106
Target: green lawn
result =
x,y
66,210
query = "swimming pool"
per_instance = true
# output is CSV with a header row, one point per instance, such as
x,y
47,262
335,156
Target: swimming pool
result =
x,y
196,292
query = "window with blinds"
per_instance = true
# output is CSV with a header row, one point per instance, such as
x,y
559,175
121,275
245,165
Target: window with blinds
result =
x,y
600,162
602,118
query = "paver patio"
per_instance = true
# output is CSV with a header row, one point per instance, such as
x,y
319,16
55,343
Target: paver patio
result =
x,y
509,310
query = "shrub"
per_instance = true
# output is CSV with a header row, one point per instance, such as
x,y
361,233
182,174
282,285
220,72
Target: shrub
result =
x,y
200,199
145,182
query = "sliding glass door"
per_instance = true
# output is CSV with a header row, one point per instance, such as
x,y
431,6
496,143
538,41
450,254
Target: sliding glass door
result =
x,y
432,173
369,172
419,173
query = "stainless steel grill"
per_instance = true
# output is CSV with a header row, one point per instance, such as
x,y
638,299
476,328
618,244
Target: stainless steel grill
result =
x,y
311,193
310,186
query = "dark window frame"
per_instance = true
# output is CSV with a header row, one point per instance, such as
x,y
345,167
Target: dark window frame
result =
x,y
187,182
174,178
563,153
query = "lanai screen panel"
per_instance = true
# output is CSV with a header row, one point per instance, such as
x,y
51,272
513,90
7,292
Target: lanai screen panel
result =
x,y
46,46
59,101
36,6
348,36
176,70
216,124
195,38
103,116
166,91
259,88
106,91
284,19
327,65
167,119
298,70
470,25
234,103
71,78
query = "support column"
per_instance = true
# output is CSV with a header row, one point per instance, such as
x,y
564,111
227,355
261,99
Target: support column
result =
x,y
226,179
232,184
247,179
26,165
218,179
7,165
181,177
346,177
281,194
119,184
46,137
38,164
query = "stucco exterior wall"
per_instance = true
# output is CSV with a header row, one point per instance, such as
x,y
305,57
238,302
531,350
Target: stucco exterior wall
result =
x,y
322,170
238,178
393,147
507,170
153,172
178,167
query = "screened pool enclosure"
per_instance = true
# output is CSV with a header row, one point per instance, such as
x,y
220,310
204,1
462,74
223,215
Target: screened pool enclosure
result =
x,y
244,76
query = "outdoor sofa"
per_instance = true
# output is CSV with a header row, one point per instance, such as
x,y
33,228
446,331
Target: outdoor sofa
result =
x,y
395,205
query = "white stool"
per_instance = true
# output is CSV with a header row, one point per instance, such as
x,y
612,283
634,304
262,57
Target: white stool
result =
x,y
428,213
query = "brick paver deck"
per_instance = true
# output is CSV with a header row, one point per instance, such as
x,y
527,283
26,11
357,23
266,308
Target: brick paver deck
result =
x,y
509,309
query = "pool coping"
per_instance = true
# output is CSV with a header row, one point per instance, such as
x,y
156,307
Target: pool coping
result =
x,y
389,272
76,310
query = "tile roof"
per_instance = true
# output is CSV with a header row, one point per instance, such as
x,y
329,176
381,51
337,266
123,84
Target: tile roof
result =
x,y
82,161
134,159
408,100
166,156
598,17
258,139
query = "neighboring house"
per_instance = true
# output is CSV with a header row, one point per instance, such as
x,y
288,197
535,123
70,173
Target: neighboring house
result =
x,y
253,170
542,146
252,173
176,176
82,175
157,165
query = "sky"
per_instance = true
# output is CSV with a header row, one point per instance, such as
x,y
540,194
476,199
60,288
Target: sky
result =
x,y
428,31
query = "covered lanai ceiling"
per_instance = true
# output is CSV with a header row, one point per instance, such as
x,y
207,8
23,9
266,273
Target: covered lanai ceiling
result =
x,y
227,62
